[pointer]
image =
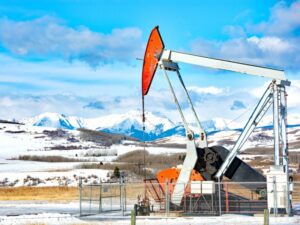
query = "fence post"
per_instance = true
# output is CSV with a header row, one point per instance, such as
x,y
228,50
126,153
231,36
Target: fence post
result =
x,y
80,195
91,196
220,206
133,218
125,198
275,196
111,194
226,197
190,203
167,199
122,193
100,197
266,217
288,196
184,199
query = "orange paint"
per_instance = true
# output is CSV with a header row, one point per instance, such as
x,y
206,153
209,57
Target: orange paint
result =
x,y
171,175
154,48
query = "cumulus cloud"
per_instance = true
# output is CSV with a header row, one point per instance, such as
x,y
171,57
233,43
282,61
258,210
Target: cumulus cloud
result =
x,y
206,90
275,42
284,20
48,36
293,99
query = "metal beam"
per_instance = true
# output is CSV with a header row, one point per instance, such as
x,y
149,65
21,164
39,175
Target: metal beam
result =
x,y
202,135
266,106
283,123
169,55
276,125
185,172
283,138
187,129
256,116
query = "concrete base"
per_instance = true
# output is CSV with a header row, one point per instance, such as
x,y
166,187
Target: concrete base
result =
x,y
279,211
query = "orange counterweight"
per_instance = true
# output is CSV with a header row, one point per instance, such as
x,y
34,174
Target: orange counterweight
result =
x,y
170,175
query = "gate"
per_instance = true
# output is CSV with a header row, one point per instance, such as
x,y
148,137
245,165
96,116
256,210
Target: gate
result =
x,y
98,198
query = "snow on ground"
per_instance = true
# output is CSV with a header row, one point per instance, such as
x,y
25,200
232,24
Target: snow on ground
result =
x,y
54,218
28,207
225,219
43,212
123,149
44,218
18,140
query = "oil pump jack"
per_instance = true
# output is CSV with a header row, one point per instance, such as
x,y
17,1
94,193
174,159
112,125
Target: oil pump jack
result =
x,y
213,163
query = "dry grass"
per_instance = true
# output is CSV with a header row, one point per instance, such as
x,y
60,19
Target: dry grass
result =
x,y
39,193
49,158
133,190
296,177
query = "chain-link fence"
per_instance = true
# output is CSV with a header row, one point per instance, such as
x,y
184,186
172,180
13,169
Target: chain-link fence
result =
x,y
198,198
95,199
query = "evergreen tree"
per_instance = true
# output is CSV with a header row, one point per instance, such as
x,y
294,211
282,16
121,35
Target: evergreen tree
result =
x,y
117,172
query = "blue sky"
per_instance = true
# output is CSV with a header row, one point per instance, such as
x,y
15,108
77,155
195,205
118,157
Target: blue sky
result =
x,y
59,54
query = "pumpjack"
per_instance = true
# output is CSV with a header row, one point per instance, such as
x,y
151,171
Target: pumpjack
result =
x,y
214,163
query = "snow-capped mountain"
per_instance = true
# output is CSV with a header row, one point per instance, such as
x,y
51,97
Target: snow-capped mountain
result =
x,y
130,124
156,125
55,120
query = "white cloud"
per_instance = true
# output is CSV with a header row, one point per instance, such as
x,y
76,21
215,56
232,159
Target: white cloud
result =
x,y
293,99
206,90
283,21
56,76
274,43
271,44
207,105
49,36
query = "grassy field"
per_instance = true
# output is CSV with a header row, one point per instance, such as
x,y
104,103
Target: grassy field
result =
x,y
39,193
63,193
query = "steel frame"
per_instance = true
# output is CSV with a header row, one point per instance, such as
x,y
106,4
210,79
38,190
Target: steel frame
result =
x,y
275,94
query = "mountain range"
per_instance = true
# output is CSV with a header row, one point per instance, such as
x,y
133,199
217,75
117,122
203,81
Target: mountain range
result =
x,y
156,125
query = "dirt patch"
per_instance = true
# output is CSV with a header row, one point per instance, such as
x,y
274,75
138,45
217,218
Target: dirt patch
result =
x,y
296,177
